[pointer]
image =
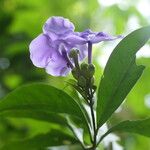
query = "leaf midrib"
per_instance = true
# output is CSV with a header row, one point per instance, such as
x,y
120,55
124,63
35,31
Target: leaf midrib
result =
x,y
116,89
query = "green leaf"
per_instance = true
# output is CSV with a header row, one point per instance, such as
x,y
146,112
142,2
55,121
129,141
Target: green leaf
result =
x,y
35,114
53,138
120,74
138,127
40,101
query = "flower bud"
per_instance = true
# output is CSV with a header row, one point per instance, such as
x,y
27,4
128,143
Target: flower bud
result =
x,y
84,69
91,70
84,66
73,53
82,81
92,80
75,73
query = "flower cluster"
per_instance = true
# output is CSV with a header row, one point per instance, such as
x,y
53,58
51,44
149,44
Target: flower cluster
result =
x,y
50,50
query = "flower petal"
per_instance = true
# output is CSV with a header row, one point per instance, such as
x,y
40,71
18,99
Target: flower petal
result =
x,y
88,35
56,27
74,39
101,36
96,37
40,50
57,66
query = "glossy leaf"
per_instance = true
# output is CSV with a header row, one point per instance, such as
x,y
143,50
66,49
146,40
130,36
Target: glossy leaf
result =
x,y
35,114
139,127
40,101
53,138
120,74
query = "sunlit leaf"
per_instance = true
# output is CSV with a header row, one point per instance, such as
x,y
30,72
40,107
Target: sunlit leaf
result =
x,y
120,74
139,127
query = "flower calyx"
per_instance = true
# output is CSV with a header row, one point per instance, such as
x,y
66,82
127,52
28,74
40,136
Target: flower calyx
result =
x,y
84,75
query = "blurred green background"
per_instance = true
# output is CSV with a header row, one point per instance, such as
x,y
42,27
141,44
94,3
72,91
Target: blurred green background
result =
x,y
21,21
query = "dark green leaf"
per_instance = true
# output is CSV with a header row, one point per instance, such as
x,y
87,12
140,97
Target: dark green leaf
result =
x,y
53,138
35,114
40,101
138,127
120,74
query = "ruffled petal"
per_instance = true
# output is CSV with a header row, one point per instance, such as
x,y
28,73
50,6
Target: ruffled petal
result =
x,y
88,35
57,66
96,37
57,27
101,36
75,39
40,50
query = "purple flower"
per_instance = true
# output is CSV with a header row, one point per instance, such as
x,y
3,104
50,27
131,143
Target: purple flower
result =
x,y
50,49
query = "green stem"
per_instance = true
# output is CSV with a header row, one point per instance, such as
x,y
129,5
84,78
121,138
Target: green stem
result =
x,y
91,104
94,127
89,93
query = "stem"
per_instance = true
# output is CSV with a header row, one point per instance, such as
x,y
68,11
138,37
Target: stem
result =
x,y
102,137
89,52
94,126
91,103
89,95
